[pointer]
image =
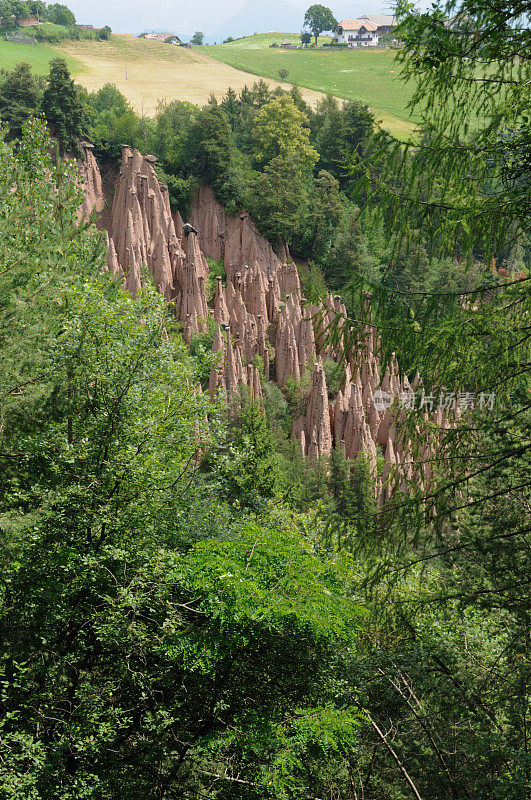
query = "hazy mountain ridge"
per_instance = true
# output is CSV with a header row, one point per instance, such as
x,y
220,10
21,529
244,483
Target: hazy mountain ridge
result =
x,y
278,15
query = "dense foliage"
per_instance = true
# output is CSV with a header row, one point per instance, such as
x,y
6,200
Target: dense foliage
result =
x,y
59,100
299,171
152,640
11,11
53,22
461,544
188,608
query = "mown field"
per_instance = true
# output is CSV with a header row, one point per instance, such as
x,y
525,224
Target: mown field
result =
x,y
149,71
369,75
145,71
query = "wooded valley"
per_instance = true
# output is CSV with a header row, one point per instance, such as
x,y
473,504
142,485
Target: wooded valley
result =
x,y
264,436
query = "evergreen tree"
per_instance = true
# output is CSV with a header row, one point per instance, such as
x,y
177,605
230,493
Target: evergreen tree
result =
x,y
329,137
325,212
342,137
246,96
358,126
296,95
353,498
260,93
348,251
210,152
62,107
277,199
18,98
231,107
256,477
409,267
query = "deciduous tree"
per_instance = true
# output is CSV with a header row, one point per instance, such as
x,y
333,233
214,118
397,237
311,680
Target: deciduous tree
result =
x,y
60,14
319,18
281,130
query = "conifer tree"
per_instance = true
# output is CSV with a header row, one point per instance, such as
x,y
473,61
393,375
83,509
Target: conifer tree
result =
x,y
62,107
277,198
458,538
210,152
18,98
231,107
464,181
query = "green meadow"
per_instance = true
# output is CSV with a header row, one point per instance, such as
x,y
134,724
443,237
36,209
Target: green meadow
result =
x,y
368,75
260,40
37,56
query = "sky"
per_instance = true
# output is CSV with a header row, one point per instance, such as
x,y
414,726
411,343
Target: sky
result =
x,y
134,16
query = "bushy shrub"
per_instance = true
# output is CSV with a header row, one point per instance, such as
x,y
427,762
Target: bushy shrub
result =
x,y
335,375
113,122
298,393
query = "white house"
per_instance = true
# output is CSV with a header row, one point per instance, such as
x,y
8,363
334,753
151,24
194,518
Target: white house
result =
x,y
384,22
162,36
357,33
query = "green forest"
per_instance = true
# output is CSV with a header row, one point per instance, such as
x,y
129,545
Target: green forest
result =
x,y
51,23
189,608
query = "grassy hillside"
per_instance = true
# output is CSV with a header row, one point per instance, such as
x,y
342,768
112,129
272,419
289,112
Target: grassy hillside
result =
x,y
147,71
260,40
369,75
49,29
37,56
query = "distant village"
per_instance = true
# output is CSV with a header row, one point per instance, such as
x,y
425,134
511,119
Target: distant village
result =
x,y
369,30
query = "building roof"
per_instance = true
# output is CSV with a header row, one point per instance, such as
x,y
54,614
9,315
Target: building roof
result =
x,y
161,36
381,20
356,24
